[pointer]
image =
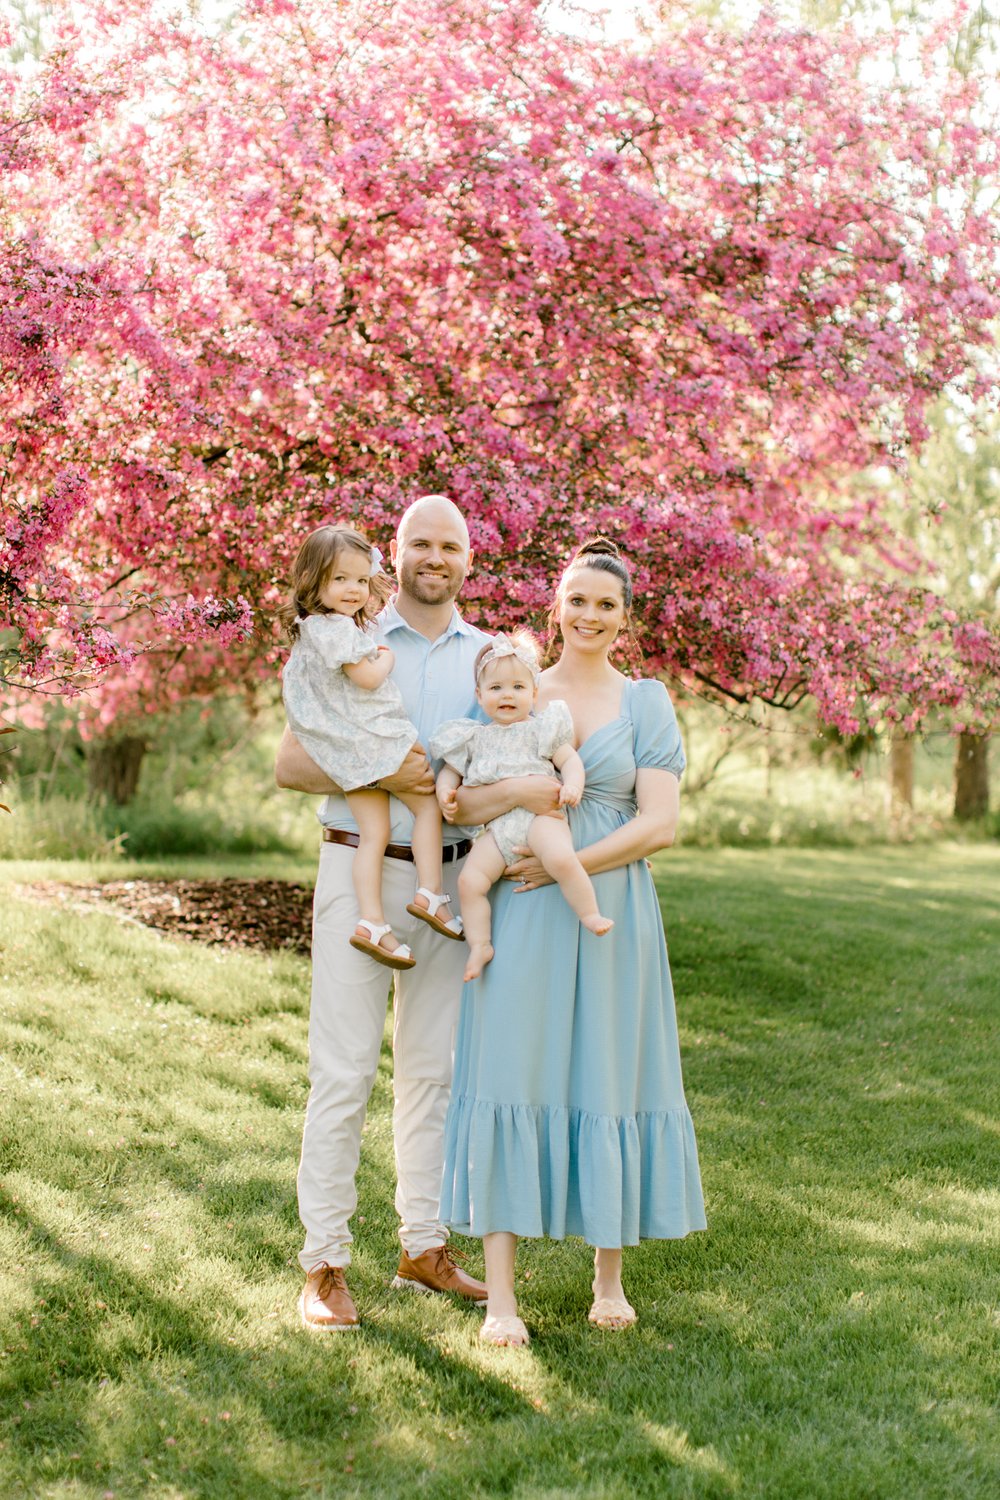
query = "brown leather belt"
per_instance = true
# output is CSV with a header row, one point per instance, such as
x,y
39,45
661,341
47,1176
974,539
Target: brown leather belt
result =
x,y
449,852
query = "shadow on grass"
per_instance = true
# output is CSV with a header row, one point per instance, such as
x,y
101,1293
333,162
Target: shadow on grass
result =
x,y
116,1363
830,1338
757,1328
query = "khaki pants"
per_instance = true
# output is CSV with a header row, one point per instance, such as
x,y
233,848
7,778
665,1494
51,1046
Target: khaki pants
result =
x,y
346,1023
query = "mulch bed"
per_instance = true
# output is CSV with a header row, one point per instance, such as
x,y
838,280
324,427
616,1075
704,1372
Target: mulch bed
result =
x,y
261,914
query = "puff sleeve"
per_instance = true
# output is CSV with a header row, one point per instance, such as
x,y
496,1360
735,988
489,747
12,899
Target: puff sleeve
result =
x,y
452,743
555,728
336,640
656,738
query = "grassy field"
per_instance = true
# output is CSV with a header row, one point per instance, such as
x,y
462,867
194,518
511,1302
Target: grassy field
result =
x,y
834,1334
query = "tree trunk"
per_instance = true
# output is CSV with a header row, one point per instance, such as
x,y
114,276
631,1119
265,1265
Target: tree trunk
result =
x,y
972,776
901,769
114,767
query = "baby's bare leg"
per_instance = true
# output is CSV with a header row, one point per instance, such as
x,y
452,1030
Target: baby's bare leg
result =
x,y
426,838
481,871
552,841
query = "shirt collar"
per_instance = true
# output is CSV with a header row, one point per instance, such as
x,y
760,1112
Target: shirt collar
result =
x,y
390,619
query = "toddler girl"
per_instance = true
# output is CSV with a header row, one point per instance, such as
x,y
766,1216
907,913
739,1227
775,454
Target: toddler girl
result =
x,y
515,743
349,718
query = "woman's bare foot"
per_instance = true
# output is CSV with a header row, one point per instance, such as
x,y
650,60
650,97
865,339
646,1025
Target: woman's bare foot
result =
x,y
507,1331
597,924
479,956
611,1312
611,1308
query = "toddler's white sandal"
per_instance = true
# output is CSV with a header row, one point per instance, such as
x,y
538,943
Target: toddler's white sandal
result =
x,y
429,914
611,1312
507,1332
399,958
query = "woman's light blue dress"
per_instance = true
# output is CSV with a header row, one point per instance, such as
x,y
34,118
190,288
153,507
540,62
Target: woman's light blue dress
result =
x,y
567,1114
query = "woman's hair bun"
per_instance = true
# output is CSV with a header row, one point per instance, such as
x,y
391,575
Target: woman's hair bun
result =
x,y
598,546
602,553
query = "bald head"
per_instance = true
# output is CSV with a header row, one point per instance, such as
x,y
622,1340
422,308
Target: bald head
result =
x,y
431,555
431,509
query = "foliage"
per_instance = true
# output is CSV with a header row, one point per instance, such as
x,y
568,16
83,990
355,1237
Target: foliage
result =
x,y
207,789
319,261
949,503
830,1335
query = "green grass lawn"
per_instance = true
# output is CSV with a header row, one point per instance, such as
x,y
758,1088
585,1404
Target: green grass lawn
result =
x,y
836,1333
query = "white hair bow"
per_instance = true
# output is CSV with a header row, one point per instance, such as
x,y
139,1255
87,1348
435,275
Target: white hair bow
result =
x,y
502,646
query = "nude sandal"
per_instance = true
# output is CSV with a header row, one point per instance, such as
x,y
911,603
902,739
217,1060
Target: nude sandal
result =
x,y
611,1312
399,958
507,1332
429,914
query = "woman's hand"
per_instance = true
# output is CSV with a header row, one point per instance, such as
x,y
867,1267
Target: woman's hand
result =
x,y
527,870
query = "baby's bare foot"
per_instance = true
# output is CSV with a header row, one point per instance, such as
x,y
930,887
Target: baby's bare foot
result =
x,y
597,924
479,956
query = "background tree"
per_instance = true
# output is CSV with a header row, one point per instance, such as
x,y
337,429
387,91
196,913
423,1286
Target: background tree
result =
x,y
684,289
949,503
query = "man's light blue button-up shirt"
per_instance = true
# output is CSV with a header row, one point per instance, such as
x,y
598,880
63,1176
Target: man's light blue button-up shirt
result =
x,y
436,683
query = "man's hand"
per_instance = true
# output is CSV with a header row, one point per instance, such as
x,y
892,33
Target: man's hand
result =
x,y
538,794
414,775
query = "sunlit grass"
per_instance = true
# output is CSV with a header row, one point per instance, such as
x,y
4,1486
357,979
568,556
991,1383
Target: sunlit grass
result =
x,y
834,1334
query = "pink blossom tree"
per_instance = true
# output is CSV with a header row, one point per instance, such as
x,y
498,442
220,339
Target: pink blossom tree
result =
x,y
682,290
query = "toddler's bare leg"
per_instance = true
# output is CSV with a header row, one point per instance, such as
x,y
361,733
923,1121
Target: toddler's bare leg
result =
x,y
483,868
370,810
426,838
552,841
371,813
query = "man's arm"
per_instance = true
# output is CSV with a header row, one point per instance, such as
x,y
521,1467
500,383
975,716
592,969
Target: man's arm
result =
x,y
481,804
295,771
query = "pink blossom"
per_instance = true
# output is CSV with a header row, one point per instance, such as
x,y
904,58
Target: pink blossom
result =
x,y
320,264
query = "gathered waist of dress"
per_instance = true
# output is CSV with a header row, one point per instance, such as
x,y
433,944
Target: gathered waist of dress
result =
x,y
623,803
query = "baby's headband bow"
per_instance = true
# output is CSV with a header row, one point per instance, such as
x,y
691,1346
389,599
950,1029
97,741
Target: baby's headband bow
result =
x,y
377,561
502,646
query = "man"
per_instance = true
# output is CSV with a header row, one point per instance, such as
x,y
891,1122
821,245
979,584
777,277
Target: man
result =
x,y
435,651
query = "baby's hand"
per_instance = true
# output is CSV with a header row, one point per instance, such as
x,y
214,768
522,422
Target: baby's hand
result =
x,y
385,651
448,800
569,796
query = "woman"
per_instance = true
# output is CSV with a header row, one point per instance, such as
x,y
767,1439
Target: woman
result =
x,y
567,1113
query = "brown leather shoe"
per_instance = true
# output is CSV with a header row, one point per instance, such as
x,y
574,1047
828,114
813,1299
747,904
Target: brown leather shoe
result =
x,y
325,1302
436,1271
